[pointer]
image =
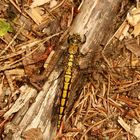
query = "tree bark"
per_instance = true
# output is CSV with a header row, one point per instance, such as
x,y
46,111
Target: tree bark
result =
x,y
34,110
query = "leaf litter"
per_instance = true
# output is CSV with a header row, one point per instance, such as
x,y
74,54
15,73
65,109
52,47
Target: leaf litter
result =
x,y
108,106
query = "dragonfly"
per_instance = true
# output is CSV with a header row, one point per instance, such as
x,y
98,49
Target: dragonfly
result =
x,y
74,41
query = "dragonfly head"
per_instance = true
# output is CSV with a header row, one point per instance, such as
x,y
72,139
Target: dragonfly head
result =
x,y
74,39
74,42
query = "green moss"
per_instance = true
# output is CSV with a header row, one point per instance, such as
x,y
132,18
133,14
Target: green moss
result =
x,y
4,27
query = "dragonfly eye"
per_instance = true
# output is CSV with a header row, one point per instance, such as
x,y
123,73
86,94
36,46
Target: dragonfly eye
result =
x,y
74,39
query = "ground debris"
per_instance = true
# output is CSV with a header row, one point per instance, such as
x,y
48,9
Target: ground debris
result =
x,y
30,32
108,104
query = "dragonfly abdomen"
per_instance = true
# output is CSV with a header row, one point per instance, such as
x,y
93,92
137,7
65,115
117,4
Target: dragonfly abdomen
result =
x,y
65,92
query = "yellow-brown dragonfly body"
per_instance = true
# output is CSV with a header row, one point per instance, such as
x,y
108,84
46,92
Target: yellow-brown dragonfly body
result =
x,y
74,42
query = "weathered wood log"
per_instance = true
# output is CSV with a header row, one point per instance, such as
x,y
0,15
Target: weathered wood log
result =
x,y
95,20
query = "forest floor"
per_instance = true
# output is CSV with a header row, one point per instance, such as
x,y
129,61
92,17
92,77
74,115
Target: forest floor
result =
x,y
108,107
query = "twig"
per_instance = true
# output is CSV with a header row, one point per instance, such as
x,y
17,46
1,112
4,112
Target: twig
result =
x,y
4,57
131,84
77,104
14,4
116,135
3,122
98,123
57,6
1,86
108,90
71,17
106,60
39,41
137,4
80,5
